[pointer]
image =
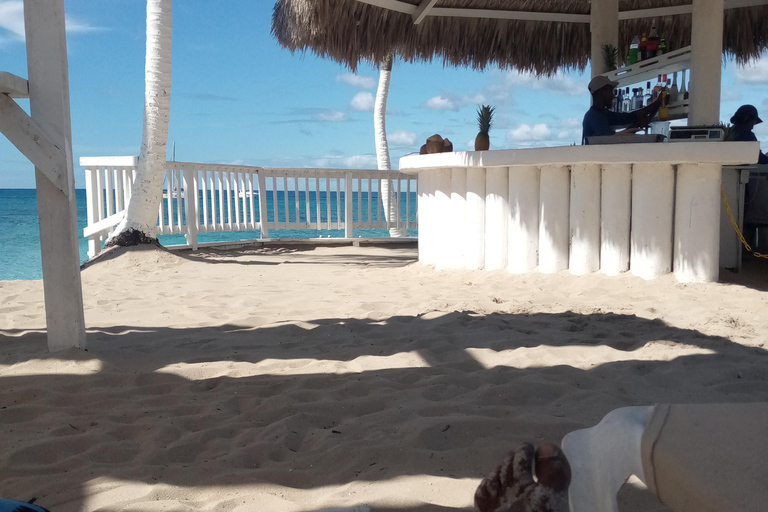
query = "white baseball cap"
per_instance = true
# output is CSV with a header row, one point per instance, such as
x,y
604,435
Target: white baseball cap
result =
x,y
599,82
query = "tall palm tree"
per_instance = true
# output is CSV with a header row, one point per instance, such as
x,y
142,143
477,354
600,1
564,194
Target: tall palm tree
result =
x,y
382,147
138,225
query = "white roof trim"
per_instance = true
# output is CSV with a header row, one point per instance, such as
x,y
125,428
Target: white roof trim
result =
x,y
426,8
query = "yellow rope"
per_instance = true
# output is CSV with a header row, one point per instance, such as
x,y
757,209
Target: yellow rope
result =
x,y
736,225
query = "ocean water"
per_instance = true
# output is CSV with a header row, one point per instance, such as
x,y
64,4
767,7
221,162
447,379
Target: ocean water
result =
x,y
20,231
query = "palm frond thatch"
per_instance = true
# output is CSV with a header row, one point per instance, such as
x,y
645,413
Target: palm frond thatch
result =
x,y
351,32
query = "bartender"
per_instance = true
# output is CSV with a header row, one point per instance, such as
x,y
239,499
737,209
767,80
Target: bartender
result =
x,y
600,119
744,120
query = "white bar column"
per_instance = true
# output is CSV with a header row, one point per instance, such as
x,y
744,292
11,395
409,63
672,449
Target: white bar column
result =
x,y
604,28
554,211
441,211
706,62
585,219
425,213
697,223
474,252
523,233
457,219
616,205
49,107
653,193
496,216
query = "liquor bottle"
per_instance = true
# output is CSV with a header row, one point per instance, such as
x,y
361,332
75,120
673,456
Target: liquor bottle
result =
x,y
662,46
626,104
647,98
633,51
617,107
638,99
683,89
663,110
643,49
674,92
653,43
656,89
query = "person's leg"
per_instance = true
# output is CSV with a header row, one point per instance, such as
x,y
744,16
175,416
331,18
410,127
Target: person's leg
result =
x,y
604,456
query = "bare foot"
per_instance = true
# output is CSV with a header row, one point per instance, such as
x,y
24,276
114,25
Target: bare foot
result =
x,y
511,486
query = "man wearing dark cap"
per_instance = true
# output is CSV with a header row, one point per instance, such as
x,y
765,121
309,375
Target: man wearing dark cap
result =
x,y
600,119
743,121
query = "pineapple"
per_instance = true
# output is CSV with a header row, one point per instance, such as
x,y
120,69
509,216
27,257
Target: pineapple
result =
x,y
484,121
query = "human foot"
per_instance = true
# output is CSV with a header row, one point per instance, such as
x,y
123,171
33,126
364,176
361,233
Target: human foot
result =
x,y
511,487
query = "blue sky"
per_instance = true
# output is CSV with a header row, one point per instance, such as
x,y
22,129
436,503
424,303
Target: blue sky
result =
x,y
238,97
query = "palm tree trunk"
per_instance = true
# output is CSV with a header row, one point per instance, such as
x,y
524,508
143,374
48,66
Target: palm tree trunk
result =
x,y
140,221
382,147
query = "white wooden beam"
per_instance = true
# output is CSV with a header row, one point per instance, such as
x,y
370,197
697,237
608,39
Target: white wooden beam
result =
x,y
422,10
14,86
392,5
33,143
510,15
426,8
57,211
103,225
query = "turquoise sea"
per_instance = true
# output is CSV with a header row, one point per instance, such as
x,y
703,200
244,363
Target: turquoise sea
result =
x,y
20,234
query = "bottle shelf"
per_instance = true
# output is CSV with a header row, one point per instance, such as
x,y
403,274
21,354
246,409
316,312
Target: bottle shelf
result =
x,y
649,69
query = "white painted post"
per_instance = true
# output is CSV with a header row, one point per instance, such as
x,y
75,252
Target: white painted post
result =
x,y
263,212
496,217
706,62
604,28
653,192
457,218
474,254
615,215
441,217
523,224
585,219
49,107
92,208
190,206
349,224
554,211
427,255
697,223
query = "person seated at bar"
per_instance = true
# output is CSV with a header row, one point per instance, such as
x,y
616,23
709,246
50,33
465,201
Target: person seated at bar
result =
x,y
600,119
744,120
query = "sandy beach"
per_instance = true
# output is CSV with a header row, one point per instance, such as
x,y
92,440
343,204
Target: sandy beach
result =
x,y
300,379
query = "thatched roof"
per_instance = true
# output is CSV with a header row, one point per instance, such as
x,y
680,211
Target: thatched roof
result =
x,y
349,32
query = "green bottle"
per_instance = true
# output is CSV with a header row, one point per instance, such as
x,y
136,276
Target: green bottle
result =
x,y
663,45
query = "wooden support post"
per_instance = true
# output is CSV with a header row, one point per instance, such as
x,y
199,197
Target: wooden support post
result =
x,y
706,62
604,27
49,106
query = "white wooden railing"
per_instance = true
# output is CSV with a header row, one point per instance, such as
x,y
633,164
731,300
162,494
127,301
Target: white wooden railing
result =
x,y
230,198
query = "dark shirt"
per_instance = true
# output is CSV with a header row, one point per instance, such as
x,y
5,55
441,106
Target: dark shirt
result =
x,y
739,134
600,121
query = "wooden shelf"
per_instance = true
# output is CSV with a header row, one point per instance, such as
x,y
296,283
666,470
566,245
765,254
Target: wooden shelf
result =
x,y
649,69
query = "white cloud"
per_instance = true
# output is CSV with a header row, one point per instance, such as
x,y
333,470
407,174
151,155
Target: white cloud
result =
x,y
361,82
558,84
402,138
440,103
526,133
363,102
754,73
335,161
12,18
731,95
331,115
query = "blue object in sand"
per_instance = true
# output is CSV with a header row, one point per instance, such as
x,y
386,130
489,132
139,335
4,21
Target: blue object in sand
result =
x,y
19,506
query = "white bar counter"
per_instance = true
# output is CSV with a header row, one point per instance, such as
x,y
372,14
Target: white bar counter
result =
x,y
649,209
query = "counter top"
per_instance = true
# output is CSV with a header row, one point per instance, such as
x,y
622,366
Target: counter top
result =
x,y
726,153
